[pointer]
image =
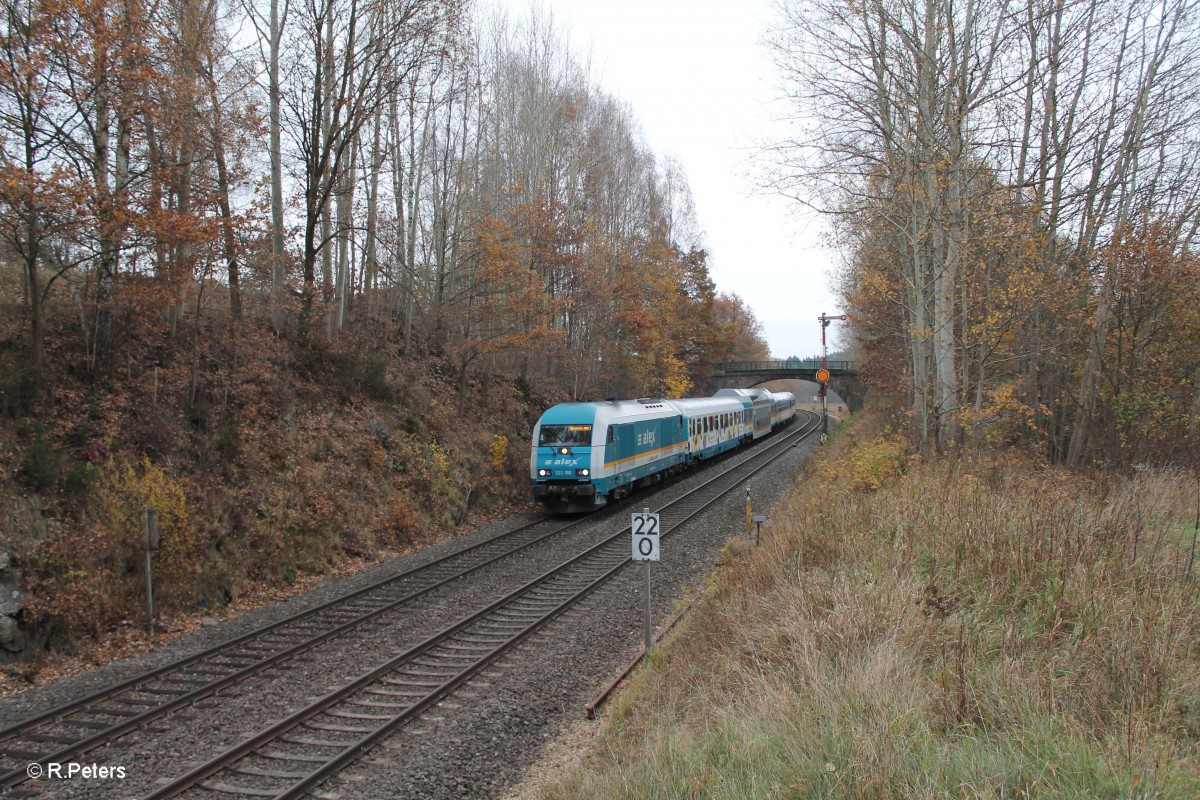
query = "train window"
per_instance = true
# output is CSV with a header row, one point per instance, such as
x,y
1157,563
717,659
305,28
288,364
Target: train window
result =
x,y
565,434
611,428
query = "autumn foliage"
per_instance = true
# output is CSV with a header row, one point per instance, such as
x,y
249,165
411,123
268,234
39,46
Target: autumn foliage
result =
x,y
306,298
1016,194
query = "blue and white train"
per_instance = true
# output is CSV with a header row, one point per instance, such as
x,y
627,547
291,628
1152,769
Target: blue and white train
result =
x,y
585,454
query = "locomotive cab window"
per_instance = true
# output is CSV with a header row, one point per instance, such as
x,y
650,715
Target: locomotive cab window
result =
x,y
553,435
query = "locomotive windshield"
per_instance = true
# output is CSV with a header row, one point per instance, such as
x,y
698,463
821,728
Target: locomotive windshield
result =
x,y
565,434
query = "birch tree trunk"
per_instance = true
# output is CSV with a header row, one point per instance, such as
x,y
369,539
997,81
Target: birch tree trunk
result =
x,y
278,262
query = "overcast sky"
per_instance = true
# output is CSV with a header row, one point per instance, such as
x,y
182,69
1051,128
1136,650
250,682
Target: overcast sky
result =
x,y
700,84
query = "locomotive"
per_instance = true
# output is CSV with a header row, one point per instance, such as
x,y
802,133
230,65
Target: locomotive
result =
x,y
585,454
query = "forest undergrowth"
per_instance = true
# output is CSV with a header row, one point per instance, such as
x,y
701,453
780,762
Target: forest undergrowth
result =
x,y
270,464
984,627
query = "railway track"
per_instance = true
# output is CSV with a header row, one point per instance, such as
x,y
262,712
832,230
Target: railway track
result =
x,y
69,730
294,755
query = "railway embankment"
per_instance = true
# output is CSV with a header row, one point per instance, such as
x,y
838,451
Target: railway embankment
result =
x,y
984,627
271,466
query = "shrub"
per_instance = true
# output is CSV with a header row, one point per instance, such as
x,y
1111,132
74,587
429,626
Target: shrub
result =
x,y
875,462
91,577
499,454
123,490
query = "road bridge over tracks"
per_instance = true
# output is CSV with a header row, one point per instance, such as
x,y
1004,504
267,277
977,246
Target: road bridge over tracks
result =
x,y
843,375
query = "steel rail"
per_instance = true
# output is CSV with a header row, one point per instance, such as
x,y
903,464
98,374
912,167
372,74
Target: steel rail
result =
x,y
89,703
349,751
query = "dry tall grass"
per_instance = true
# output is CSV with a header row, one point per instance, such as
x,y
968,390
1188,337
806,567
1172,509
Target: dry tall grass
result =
x,y
990,629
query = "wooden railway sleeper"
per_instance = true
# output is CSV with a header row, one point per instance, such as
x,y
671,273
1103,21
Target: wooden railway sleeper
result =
x,y
277,755
338,714
418,682
504,632
19,754
534,605
300,740
88,724
431,660
331,728
477,651
414,679
458,656
188,681
267,773
474,636
368,704
51,738
110,711
228,788
389,693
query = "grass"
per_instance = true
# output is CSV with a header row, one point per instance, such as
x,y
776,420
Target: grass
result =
x,y
980,629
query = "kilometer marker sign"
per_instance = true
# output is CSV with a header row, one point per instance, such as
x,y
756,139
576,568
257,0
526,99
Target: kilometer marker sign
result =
x,y
645,535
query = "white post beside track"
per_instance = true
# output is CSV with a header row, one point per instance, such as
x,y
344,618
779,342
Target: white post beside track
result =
x,y
645,531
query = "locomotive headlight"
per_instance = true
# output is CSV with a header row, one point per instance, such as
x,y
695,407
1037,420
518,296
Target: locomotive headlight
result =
x,y
566,451
583,472
543,473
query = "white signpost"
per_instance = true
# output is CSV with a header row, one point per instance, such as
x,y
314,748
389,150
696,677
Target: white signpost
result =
x,y
645,529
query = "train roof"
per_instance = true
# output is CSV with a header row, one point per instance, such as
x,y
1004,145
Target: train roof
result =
x,y
709,405
608,411
569,414
746,395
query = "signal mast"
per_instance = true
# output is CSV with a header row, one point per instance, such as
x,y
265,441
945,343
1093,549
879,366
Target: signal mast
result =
x,y
823,374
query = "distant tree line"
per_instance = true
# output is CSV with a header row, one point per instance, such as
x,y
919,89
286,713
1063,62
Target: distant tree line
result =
x,y
457,185
1016,186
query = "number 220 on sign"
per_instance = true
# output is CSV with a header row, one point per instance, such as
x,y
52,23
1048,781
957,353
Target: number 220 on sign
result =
x,y
645,536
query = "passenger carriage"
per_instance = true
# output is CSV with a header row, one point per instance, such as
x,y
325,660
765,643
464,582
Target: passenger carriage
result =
x,y
758,402
783,409
714,424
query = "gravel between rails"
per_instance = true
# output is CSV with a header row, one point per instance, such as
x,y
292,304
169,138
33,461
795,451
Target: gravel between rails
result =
x,y
33,701
483,738
480,739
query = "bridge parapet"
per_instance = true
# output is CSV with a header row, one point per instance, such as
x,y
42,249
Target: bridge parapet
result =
x,y
787,368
